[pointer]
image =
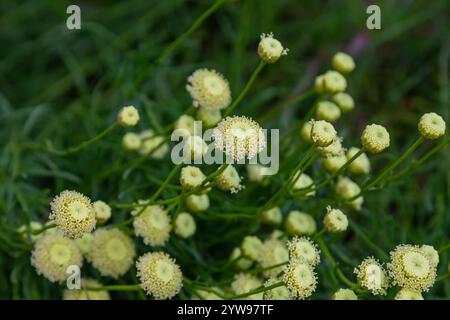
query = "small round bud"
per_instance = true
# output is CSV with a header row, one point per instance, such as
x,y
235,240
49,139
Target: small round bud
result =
x,y
209,89
272,216
305,133
408,294
251,247
375,138
318,84
343,63
303,182
344,101
102,211
131,141
333,164
191,177
335,220
334,82
240,262
270,49
322,133
229,180
300,223
185,225
153,145
128,116
209,117
255,173
197,203
328,111
431,126
360,165
347,189
185,125
344,294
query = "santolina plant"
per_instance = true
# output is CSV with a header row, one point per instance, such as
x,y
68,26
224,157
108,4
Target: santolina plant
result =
x,y
283,245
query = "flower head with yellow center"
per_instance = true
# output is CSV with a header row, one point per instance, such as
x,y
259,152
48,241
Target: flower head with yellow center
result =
x,y
112,252
431,126
229,180
375,138
270,49
411,268
209,89
73,213
153,224
372,276
159,275
53,254
300,279
185,225
128,116
322,133
304,250
335,220
300,223
239,138
102,211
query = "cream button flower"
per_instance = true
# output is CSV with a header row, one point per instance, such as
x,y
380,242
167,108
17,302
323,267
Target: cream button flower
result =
x,y
334,163
191,177
344,294
185,225
300,279
239,261
209,89
272,216
431,126
375,138
208,117
304,181
300,223
360,165
272,252
372,276
278,293
131,141
229,180
102,211
347,189
244,283
197,203
335,220
322,133
270,49
153,224
327,111
343,62
128,116
251,246
334,82
304,250
344,101
408,294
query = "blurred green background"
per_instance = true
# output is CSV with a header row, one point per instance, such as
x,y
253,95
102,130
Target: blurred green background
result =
x,y
67,86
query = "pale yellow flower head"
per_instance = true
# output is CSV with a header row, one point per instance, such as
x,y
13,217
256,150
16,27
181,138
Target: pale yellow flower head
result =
x,y
185,125
81,294
346,189
300,279
431,126
209,117
153,224
375,138
229,180
334,82
197,203
272,216
343,62
73,213
411,268
305,133
239,137
112,252
333,150
328,111
334,163
240,262
131,141
244,283
304,250
153,145
304,181
431,254
128,116
209,89
270,49
53,254
251,247
102,211
344,294
159,275
300,223
185,225
322,133
372,276
360,165
272,252
408,294
191,177
344,101
335,220
278,293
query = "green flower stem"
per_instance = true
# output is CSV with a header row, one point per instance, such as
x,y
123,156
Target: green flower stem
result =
x,y
363,236
172,46
444,248
246,88
443,277
260,269
82,145
283,189
47,227
388,168
132,287
258,290
166,182
319,234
